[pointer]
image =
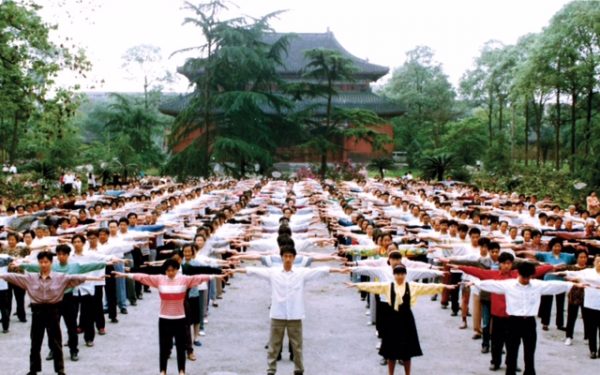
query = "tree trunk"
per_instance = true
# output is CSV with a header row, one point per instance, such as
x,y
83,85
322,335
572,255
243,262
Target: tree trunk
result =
x,y
146,106
573,127
512,132
588,119
538,130
557,135
500,114
490,113
323,164
526,132
12,155
381,173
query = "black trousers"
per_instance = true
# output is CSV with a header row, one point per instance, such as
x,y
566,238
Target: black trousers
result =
x,y
455,278
19,294
521,329
546,309
110,287
99,308
5,298
592,318
45,318
85,306
572,311
68,311
499,334
167,329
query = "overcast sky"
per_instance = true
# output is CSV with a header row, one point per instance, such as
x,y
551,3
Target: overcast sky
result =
x,y
380,30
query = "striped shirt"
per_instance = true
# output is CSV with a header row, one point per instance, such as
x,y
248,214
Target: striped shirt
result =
x,y
172,291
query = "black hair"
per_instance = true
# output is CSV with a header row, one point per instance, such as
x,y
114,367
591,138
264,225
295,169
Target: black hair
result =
x,y
45,255
285,240
63,249
170,263
103,230
80,236
31,232
473,231
395,255
495,246
284,229
400,270
287,249
124,220
505,257
526,269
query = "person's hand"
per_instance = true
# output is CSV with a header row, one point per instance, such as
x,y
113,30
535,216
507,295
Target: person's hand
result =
x,y
350,285
450,287
119,275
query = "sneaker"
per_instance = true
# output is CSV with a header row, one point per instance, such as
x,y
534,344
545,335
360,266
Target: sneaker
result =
x,y
593,355
102,331
485,349
114,320
545,328
89,344
197,343
124,311
5,331
368,312
74,357
50,356
202,333
568,341
205,321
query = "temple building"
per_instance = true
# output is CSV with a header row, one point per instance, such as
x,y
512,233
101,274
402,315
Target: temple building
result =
x,y
351,95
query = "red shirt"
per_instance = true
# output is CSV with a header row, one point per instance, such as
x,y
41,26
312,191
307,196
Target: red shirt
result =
x,y
498,300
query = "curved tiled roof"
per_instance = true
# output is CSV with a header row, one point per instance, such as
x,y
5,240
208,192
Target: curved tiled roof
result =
x,y
295,61
346,100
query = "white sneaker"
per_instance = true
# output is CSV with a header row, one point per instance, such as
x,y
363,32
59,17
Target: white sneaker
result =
x,y
205,321
378,346
202,333
568,342
368,312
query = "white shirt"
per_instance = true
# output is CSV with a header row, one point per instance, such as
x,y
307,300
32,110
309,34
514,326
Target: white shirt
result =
x,y
287,289
523,300
592,294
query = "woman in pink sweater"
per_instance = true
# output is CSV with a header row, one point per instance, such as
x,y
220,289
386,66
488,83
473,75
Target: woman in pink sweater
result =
x,y
172,288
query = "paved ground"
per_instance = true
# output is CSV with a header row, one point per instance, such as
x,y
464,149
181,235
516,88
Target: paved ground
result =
x,y
337,340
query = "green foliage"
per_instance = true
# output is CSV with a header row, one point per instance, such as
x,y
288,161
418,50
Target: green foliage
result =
x,y
465,139
381,165
435,167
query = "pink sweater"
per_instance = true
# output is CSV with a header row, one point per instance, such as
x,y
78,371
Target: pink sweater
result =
x,y
172,291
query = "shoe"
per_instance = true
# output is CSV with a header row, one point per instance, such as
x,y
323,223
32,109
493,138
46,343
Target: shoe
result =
x,y
202,332
568,341
191,356
444,307
23,320
74,357
454,313
89,344
32,373
133,303
463,325
50,356
383,362
561,328
124,311
368,312
140,296
494,368
5,331
279,356
197,343
435,297
215,304
476,336
60,373
298,373
485,349
545,328
114,320
593,355
102,331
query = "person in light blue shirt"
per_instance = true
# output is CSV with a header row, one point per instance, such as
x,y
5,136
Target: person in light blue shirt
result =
x,y
555,256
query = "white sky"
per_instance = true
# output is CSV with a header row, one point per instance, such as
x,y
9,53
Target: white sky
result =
x,y
380,30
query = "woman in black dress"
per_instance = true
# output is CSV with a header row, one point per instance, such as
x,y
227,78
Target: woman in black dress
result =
x,y
400,340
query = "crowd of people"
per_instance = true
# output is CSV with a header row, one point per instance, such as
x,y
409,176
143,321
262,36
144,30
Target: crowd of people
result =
x,y
479,253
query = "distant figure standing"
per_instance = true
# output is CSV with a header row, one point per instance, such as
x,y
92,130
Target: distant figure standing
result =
x,y
593,204
12,169
68,181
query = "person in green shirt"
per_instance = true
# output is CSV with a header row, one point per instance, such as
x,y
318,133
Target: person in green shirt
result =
x,y
68,308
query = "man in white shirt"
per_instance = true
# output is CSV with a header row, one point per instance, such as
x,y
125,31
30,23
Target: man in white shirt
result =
x,y
287,304
523,297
